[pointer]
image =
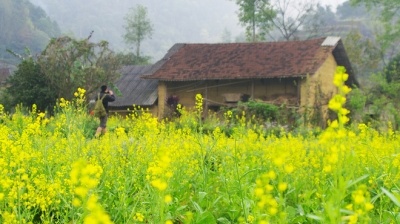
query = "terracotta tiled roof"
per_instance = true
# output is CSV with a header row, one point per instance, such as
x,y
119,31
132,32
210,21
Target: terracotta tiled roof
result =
x,y
186,62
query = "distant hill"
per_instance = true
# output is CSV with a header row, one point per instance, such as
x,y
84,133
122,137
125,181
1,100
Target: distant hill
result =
x,y
23,25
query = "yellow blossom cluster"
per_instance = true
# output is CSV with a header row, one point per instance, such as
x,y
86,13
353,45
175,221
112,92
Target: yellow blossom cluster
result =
x,y
35,127
84,179
139,217
1,109
63,103
159,172
337,102
265,192
80,93
228,115
360,206
80,97
199,103
23,185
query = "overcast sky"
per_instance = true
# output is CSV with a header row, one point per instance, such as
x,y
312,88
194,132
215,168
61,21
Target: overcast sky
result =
x,y
185,25
333,3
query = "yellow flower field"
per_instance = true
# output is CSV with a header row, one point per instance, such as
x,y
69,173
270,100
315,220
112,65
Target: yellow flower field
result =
x,y
52,170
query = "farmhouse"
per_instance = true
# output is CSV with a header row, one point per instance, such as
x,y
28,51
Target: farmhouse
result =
x,y
295,73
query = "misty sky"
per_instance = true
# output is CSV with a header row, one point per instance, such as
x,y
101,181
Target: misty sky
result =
x,y
333,3
183,25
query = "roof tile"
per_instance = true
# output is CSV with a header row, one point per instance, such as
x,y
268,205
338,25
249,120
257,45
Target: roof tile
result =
x,y
241,60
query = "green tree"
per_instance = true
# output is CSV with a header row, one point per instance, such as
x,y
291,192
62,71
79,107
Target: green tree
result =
x,y
256,16
28,86
383,96
389,16
138,27
69,64
392,70
365,55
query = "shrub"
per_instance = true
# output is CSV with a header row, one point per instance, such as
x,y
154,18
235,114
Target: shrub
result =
x,y
260,110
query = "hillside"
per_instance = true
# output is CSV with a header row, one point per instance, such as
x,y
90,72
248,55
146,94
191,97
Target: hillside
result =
x,y
23,25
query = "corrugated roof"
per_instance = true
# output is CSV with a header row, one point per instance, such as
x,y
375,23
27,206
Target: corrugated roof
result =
x,y
330,41
135,91
186,62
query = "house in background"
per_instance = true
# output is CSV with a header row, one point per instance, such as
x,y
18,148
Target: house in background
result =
x,y
135,91
4,74
297,73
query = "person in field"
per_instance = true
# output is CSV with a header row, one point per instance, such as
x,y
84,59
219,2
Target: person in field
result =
x,y
109,97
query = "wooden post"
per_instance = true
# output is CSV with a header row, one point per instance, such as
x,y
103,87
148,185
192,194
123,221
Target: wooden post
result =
x,y
162,96
298,83
252,89
205,112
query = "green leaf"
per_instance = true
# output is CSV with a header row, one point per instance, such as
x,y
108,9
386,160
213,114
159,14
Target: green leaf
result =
x,y
181,208
291,212
352,182
223,220
202,195
197,207
315,217
115,89
300,209
391,196
206,218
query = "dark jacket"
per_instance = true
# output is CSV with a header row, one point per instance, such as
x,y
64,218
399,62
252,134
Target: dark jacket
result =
x,y
107,98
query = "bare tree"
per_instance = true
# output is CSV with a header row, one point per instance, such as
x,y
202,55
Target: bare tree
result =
x,y
291,15
321,22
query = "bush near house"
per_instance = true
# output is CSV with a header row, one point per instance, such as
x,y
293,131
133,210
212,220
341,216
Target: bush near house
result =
x,y
264,111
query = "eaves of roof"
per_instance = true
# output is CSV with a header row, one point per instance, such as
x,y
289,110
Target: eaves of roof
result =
x,y
188,62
